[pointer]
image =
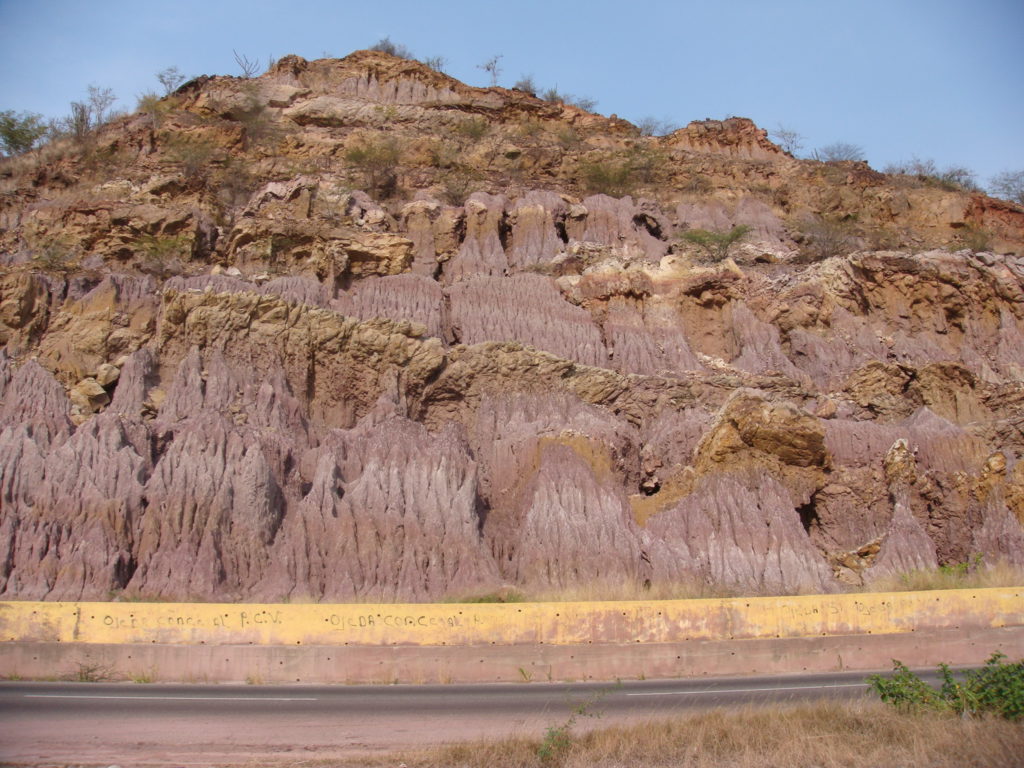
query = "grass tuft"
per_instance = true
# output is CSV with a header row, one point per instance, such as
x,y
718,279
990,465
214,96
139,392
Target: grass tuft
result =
x,y
1000,574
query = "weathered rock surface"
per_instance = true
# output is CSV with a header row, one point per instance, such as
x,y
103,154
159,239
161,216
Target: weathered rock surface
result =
x,y
356,330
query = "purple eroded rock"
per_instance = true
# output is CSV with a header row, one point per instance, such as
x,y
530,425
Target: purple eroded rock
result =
x,y
297,289
528,309
554,473
399,297
510,426
214,507
827,361
629,229
537,222
648,341
716,216
760,349
34,397
573,527
215,283
482,251
420,221
938,444
138,376
1009,353
1000,537
391,514
905,547
670,439
75,523
737,530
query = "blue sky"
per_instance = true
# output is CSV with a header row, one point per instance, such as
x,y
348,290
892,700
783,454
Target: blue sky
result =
x,y
939,79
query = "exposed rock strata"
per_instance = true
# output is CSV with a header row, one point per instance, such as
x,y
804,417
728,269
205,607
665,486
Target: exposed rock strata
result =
x,y
225,380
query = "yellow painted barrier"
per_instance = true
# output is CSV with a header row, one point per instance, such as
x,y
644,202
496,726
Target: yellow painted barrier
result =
x,y
510,624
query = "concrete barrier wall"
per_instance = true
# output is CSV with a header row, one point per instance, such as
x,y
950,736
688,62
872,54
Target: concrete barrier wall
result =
x,y
501,663
671,621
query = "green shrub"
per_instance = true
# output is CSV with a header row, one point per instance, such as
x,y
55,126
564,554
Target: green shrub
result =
x,y
56,255
567,137
193,155
473,128
904,690
996,688
715,245
976,239
162,255
19,132
458,184
615,178
377,160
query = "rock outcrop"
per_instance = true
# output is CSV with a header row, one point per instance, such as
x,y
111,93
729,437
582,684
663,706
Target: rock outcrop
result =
x,y
355,330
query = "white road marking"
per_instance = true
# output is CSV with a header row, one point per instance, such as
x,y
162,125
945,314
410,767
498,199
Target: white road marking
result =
x,y
168,698
750,690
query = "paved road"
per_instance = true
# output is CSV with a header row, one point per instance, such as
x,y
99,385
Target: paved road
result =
x,y
192,725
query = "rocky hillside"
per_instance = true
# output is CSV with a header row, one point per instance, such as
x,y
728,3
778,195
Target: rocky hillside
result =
x,y
355,329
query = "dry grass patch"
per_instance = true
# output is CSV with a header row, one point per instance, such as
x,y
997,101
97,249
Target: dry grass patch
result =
x,y
821,735
952,577
610,590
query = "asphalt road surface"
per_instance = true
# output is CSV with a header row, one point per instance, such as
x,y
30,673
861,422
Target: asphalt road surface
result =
x,y
163,724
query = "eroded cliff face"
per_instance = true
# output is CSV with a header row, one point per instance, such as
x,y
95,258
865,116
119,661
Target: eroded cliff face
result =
x,y
243,361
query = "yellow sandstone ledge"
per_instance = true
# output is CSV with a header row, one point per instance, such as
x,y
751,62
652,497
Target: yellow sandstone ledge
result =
x,y
510,624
